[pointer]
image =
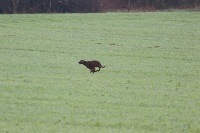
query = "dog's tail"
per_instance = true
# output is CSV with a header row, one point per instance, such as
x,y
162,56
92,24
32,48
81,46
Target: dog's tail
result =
x,y
102,66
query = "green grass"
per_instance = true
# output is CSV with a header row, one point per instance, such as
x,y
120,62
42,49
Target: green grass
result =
x,y
150,82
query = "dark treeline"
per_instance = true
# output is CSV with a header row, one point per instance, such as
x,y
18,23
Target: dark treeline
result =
x,y
48,6
165,4
71,6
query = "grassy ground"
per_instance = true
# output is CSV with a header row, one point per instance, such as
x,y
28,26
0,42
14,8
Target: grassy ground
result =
x,y
150,82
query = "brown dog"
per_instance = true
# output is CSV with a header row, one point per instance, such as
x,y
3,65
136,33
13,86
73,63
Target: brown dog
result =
x,y
91,65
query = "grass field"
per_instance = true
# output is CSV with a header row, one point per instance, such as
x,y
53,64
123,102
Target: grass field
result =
x,y
151,82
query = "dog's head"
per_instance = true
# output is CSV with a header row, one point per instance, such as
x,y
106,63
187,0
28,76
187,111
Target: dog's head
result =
x,y
81,61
